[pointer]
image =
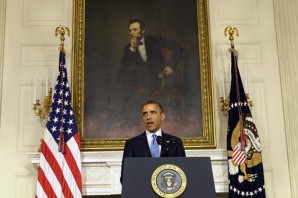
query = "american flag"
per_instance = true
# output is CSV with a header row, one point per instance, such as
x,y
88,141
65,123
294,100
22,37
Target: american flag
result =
x,y
246,176
59,172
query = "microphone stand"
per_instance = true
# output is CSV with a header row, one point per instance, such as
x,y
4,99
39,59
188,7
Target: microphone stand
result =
x,y
166,144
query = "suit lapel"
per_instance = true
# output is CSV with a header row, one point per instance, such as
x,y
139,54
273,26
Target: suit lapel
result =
x,y
144,146
163,151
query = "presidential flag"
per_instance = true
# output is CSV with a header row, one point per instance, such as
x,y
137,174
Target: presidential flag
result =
x,y
246,177
59,172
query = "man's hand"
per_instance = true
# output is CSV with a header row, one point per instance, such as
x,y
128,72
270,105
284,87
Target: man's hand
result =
x,y
168,70
134,43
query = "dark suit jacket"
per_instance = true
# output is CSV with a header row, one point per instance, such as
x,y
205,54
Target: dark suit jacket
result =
x,y
139,147
161,52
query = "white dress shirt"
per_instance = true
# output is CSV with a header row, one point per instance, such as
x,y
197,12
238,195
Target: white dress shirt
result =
x,y
142,50
149,137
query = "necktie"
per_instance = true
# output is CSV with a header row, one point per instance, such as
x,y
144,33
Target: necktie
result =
x,y
154,146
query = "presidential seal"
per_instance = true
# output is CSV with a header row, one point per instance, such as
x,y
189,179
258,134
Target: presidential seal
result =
x,y
168,181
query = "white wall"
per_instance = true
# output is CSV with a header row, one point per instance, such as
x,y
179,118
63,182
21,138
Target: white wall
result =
x,y
30,46
287,34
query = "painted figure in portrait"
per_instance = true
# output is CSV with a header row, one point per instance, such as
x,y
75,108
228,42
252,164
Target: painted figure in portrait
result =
x,y
145,50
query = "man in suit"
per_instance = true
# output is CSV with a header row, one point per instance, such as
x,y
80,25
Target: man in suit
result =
x,y
142,145
147,59
148,66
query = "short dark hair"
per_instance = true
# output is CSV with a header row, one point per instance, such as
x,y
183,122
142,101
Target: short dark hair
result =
x,y
154,102
137,20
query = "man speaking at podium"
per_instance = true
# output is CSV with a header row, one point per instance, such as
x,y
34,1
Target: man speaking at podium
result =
x,y
153,142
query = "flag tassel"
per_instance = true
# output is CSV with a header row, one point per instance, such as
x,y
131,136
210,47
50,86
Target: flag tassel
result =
x,y
61,143
243,141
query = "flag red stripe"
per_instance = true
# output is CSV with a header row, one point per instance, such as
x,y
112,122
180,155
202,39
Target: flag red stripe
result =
x,y
51,159
72,163
238,156
78,141
240,160
236,152
44,182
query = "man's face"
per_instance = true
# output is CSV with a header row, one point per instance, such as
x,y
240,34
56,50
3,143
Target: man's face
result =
x,y
152,117
135,30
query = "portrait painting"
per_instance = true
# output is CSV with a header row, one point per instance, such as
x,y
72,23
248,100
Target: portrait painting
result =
x,y
110,85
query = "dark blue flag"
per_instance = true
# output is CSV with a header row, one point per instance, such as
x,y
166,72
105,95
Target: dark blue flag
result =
x,y
246,176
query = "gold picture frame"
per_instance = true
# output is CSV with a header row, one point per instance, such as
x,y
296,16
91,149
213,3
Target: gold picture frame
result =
x,y
201,138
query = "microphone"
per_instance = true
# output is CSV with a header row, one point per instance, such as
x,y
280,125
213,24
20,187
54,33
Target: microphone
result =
x,y
159,140
166,144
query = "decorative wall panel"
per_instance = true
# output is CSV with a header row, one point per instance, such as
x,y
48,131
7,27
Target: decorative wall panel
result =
x,y
40,54
236,12
24,186
28,131
44,12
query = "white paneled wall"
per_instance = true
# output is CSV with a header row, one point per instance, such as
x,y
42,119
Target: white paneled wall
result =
x,y
30,47
257,49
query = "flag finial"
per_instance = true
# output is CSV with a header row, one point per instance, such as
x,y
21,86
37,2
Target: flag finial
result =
x,y
231,31
62,31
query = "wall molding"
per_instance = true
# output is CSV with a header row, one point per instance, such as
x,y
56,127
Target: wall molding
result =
x,y
286,29
2,39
